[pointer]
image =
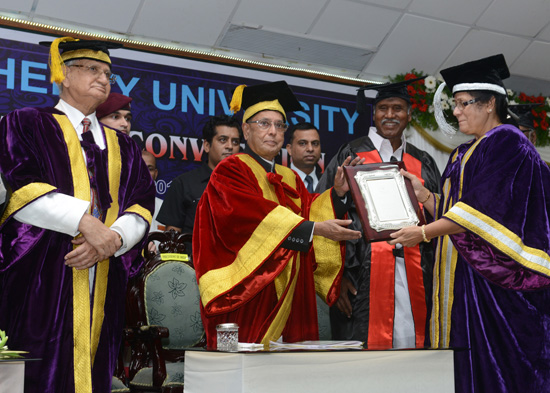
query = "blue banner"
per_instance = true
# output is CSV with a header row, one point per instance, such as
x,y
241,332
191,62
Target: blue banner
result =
x,y
171,104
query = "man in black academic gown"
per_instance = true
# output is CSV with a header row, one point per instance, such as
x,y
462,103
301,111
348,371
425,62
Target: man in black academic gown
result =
x,y
386,290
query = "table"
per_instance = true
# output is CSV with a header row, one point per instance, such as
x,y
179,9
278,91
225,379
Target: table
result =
x,y
12,376
320,371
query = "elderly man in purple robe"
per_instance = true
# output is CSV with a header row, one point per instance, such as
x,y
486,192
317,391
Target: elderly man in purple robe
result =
x,y
73,230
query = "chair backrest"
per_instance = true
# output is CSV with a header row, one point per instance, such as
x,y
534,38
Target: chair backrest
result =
x,y
165,292
172,300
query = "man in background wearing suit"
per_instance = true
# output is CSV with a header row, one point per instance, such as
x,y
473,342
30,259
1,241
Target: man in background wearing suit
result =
x,y
304,147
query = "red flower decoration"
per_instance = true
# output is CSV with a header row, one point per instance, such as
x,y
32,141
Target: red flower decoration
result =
x,y
421,98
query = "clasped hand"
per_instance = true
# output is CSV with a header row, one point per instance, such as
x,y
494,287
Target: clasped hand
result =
x,y
97,243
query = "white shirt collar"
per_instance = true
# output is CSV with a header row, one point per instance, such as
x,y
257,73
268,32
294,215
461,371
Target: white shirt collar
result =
x,y
303,175
75,117
384,146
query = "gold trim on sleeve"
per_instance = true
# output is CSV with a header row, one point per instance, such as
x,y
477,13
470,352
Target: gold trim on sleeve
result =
x,y
25,195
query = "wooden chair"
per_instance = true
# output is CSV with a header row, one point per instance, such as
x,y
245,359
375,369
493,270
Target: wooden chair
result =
x,y
120,381
118,386
163,316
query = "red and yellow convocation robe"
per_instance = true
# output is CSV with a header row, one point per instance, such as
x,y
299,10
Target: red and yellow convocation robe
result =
x,y
46,307
245,273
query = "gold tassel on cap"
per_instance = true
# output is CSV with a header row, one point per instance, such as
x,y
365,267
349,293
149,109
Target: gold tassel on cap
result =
x,y
237,99
57,66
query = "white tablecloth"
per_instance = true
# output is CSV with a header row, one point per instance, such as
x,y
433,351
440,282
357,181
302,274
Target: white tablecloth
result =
x,y
351,371
12,376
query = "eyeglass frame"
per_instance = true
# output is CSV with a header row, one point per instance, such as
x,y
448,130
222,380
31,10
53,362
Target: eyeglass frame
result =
x,y
110,76
271,123
464,104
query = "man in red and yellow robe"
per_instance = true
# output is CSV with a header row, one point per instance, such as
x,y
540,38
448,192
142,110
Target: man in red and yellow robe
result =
x,y
259,250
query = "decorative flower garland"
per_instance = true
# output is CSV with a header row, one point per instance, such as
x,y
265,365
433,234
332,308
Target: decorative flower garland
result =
x,y
422,94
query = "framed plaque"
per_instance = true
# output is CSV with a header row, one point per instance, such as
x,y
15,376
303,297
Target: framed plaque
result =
x,y
384,199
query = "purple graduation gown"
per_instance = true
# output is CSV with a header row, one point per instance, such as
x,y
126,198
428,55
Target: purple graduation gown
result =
x,y
491,296
44,305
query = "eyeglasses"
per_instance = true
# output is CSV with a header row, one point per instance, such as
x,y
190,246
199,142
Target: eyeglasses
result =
x,y
97,72
266,124
463,104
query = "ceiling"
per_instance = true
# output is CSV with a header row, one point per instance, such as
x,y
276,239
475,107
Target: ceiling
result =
x,y
364,39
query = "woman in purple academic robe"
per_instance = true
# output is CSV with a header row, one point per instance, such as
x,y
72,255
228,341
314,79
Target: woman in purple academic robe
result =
x,y
491,300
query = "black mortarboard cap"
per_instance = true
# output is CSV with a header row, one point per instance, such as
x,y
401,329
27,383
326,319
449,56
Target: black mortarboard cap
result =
x,y
522,114
68,48
387,90
482,74
254,99
85,49
96,45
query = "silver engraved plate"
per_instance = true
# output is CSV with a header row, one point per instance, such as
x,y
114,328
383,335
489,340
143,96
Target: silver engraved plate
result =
x,y
386,198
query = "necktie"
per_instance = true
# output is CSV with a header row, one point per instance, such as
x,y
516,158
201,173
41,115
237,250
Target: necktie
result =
x,y
96,211
309,183
393,159
86,125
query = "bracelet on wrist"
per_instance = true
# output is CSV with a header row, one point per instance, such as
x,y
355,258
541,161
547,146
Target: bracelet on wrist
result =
x,y
424,238
427,198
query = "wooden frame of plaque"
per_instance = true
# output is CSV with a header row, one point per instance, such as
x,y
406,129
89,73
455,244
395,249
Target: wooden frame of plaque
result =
x,y
384,199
